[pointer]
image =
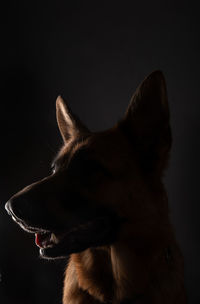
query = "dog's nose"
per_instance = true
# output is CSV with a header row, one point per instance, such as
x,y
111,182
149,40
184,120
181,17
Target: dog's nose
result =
x,y
8,207
13,208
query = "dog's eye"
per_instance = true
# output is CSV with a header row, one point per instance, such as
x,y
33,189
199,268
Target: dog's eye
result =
x,y
86,168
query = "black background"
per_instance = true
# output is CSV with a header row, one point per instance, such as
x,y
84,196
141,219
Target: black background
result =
x,y
94,54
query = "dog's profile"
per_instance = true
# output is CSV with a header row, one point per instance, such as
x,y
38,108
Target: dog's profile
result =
x,y
105,206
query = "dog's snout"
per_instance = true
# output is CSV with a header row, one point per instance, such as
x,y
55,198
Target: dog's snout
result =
x,y
15,206
8,207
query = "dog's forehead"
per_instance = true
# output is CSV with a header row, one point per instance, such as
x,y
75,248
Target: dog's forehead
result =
x,y
110,143
108,146
68,149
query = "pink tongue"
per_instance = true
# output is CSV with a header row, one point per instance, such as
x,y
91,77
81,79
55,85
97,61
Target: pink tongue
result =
x,y
38,239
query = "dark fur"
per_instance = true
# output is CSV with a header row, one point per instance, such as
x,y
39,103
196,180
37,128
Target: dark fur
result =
x,y
107,201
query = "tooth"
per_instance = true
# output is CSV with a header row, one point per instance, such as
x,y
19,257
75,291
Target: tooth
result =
x,y
54,239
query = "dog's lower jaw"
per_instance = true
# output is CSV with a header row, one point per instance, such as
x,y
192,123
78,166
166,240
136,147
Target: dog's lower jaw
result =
x,y
97,233
44,255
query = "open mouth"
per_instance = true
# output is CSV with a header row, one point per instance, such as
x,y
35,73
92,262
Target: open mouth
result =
x,y
54,243
51,244
46,239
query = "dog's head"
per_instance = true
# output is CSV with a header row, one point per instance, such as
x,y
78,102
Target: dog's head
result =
x,y
99,180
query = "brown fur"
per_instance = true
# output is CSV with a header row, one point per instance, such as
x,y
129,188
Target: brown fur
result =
x,y
136,262
143,263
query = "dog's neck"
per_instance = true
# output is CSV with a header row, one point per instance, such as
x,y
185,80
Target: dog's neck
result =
x,y
111,274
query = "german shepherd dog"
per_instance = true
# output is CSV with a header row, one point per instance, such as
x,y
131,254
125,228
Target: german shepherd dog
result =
x,y
105,206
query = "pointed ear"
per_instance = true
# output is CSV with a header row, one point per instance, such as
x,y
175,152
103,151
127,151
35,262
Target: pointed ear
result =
x,y
69,124
147,121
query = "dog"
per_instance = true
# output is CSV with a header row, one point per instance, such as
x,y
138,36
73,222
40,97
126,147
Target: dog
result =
x,y
105,206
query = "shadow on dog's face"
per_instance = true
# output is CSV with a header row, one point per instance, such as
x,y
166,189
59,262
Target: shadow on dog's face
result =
x,y
82,204
59,209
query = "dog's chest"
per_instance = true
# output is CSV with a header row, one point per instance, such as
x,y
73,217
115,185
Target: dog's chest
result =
x,y
89,277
